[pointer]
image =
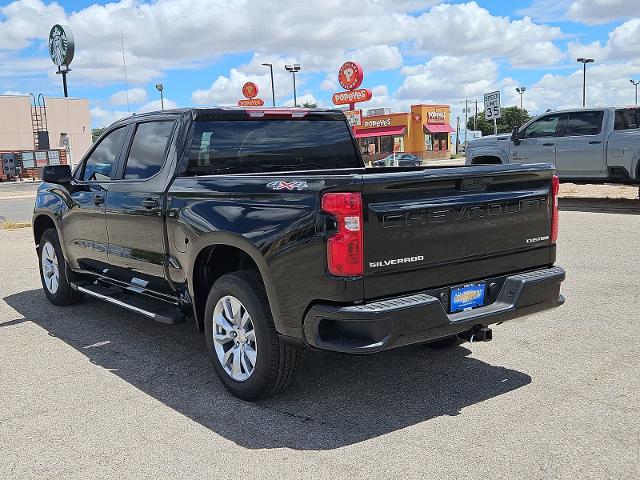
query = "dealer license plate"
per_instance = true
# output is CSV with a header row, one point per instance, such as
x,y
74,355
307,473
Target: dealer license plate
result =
x,y
467,297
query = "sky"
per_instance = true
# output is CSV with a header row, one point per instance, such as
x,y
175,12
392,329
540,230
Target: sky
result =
x,y
412,51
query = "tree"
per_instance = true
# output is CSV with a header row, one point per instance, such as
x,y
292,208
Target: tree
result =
x,y
96,132
310,105
511,117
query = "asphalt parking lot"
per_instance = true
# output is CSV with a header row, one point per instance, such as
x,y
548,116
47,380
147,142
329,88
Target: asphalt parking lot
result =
x,y
91,391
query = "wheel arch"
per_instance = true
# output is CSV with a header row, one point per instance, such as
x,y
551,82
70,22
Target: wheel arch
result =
x,y
221,253
42,223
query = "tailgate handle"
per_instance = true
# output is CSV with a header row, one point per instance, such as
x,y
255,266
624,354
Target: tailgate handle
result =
x,y
474,183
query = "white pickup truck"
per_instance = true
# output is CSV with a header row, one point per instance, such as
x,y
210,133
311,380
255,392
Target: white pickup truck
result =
x,y
586,145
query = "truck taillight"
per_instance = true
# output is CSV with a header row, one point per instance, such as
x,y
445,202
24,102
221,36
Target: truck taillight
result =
x,y
344,248
555,189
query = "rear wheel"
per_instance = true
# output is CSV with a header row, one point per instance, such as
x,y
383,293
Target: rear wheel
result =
x,y
54,271
247,355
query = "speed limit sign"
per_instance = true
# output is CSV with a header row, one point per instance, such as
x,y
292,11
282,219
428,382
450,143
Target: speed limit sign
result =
x,y
492,105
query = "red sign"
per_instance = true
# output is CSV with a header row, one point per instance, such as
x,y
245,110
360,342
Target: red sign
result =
x,y
250,90
251,102
353,96
417,117
350,75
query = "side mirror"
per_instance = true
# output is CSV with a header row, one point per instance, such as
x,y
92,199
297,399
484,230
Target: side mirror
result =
x,y
514,136
56,174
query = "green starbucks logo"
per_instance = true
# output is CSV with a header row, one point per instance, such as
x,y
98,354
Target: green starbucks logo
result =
x,y
61,45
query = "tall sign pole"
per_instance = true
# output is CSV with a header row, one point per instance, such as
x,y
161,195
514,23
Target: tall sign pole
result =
x,y
61,49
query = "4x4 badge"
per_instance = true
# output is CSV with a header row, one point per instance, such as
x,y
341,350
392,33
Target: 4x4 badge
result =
x,y
284,185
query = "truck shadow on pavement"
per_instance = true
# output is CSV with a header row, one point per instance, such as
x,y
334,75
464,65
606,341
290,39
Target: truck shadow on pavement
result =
x,y
334,401
601,205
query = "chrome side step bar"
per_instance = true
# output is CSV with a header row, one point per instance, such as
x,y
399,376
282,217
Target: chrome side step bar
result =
x,y
150,308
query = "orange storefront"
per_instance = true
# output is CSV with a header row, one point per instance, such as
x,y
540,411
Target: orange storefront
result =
x,y
425,131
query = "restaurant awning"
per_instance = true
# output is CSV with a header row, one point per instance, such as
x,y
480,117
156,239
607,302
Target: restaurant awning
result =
x,y
439,128
380,131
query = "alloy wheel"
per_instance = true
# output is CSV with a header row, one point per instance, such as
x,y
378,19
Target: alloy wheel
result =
x,y
50,268
234,338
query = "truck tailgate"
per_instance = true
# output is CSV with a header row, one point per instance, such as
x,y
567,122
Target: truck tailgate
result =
x,y
435,227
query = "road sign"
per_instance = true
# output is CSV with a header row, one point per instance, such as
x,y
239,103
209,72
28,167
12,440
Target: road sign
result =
x,y
492,109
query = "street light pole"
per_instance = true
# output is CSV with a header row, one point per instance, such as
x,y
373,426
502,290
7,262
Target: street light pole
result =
x,y
635,84
521,91
584,62
273,92
160,88
293,69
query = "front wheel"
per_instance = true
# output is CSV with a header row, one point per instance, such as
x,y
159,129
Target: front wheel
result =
x,y
54,271
248,357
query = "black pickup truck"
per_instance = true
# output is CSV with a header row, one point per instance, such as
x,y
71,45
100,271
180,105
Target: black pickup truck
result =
x,y
265,228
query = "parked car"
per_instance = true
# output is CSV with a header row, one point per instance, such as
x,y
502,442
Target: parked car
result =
x,y
400,160
263,227
585,145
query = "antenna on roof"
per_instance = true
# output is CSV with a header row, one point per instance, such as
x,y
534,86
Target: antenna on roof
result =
x,y
124,66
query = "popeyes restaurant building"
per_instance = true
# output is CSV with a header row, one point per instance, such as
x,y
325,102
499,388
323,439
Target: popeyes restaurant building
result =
x,y
425,131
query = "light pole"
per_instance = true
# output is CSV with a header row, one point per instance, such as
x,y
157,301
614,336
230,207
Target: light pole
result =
x,y
159,87
293,69
273,92
584,62
521,91
635,84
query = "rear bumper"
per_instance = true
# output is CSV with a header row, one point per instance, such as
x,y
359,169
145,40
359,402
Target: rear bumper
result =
x,y
421,317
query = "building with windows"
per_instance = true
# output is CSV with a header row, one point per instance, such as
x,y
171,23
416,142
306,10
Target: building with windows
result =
x,y
425,131
39,131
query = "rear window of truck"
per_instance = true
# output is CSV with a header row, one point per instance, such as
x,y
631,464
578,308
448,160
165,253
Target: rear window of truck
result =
x,y
253,146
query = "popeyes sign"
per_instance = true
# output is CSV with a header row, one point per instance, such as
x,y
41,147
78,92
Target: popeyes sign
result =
x,y
350,77
250,91
436,117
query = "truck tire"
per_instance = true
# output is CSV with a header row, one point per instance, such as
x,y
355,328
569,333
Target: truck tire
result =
x,y
54,271
247,355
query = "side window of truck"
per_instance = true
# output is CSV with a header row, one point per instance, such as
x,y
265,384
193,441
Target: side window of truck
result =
x,y
99,165
147,152
546,126
584,123
627,119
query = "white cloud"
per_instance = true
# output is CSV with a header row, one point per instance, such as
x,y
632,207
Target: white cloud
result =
x,y
101,117
131,96
623,43
302,99
155,105
602,11
177,34
466,29
445,78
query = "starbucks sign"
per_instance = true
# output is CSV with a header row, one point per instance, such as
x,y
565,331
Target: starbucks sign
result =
x,y
61,45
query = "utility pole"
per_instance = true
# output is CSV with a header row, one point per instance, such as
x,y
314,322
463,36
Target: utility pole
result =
x,y
457,133
466,119
475,118
635,84
584,62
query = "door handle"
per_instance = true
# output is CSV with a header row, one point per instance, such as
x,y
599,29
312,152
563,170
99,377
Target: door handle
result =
x,y
595,142
548,144
150,202
97,199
